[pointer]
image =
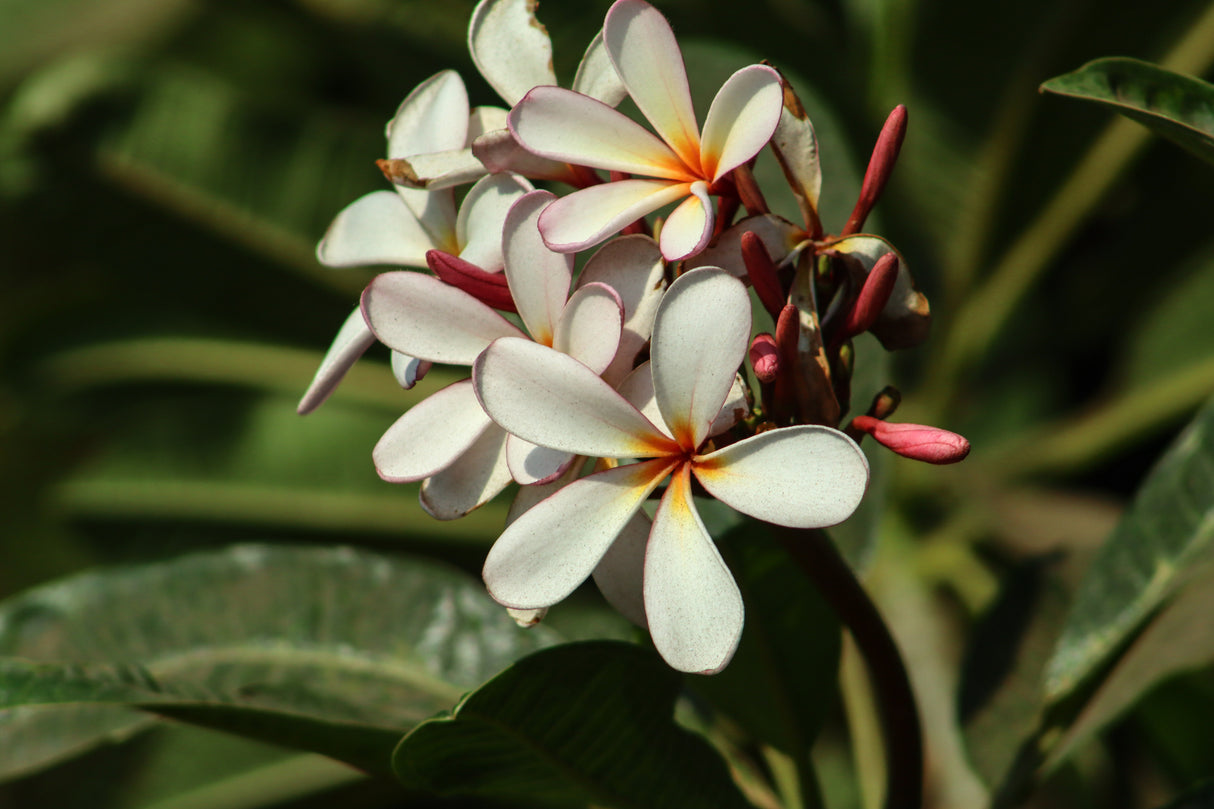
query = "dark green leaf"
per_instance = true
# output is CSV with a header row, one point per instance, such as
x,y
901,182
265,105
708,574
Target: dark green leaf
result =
x,y
338,651
1178,107
581,723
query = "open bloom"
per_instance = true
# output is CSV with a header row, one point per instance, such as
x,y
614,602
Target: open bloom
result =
x,y
572,128
804,476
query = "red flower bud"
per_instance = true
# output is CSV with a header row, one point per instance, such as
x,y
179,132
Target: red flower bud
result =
x,y
878,286
489,288
915,441
762,272
880,167
765,357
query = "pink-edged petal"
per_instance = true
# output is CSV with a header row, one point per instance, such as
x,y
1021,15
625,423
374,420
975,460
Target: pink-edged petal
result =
x,y
352,340
637,389
647,57
779,237
531,464
430,435
692,603
510,48
741,120
432,118
633,267
437,170
551,399
807,476
375,229
499,151
554,546
539,278
482,217
596,76
408,370
587,217
563,125
421,316
528,496
689,226
473,479
620,573
700,338
590,325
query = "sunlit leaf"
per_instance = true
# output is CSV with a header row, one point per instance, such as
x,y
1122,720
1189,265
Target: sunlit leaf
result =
x,y
580,723
1178,107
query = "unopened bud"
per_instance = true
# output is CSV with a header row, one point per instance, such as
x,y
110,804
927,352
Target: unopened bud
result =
x,y
762,272
765,357
489,288
875,293
788,331
880,167
916,441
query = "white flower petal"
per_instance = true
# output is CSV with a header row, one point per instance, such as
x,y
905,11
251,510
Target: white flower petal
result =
x,y
741,120
531,464
473,479
699,340
553,400
432,118
408,370
528,496
735,409
435,212
352,340
421,316
796,148
637,389
563,125
586,217
596,76
510,48
620,573
779,236
649,62
375,229
808,476
539,278
590,325
499,151
486,119
554,546
438,170
633,267
692,603
482,216
431,434
689,226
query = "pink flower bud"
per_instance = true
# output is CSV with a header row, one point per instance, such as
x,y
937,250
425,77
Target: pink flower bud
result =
x,y
487,287
880,167
872,298
765,357
762,272
915,441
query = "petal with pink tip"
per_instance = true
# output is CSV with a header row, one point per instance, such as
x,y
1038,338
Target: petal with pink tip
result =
x,y
375,229
586,217
421,316
689,226
596,76
430,435
563,125
408,370
499,151
807,476
699,340
473,479
510,48
352,340
539,278
741,120
620,573
482,217
692,603
432,118
553,400
590,325
531,464
554,546
649,62
633,267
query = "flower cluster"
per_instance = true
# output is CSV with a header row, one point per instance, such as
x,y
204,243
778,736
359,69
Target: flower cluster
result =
x,y
599,391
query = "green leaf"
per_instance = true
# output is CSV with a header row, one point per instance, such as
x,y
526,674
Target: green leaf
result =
x,y
782,680
580,723
1178,107
1168,527
333,650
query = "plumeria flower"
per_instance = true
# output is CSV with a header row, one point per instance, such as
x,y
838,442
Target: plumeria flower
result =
x,y
447,441
565,126
802,476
